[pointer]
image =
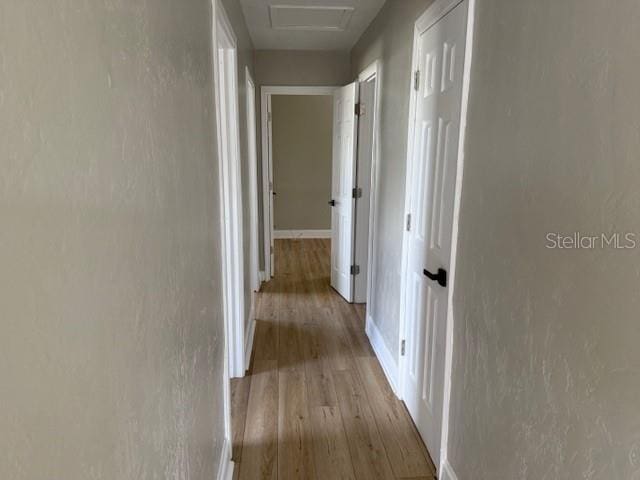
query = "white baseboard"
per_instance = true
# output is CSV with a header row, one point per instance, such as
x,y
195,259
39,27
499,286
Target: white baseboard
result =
x,y
302,234
250,332
388,363
248,341
225,470
447,472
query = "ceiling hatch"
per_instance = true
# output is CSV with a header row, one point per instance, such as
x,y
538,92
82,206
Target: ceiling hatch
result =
x,y
297,17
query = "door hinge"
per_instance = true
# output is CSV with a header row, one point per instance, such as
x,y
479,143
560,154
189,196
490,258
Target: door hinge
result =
x,y
355,269
269,116
356,192
403,347
408,222
416,80
359,109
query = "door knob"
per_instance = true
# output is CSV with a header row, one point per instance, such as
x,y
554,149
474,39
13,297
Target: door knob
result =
x,y
332,203
440,277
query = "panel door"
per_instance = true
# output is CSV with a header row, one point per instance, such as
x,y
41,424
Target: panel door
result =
x,y
432,191
345,126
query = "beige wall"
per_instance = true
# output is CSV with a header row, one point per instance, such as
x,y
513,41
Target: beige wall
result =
x,y
389,39
111,334
298,68
546,376
245,51
302,129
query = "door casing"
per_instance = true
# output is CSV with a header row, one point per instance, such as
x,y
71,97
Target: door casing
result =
x,y
225,94
252,152
367,181
434,13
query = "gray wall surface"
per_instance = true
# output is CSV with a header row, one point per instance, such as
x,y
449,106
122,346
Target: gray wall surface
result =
x,y
546,376
302,129
111,332
245,60
296,68
389,39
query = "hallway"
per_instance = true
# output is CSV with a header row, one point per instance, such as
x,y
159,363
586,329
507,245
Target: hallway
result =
x,y
316,403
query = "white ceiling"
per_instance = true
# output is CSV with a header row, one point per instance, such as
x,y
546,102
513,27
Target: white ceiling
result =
x,y
333,25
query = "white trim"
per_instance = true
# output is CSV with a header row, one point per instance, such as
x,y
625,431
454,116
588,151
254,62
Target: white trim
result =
x,y
302,234
386,359
267,167
435,12
252,158
248,343
226,466
216,13
369,73
447,471
225,51
262,275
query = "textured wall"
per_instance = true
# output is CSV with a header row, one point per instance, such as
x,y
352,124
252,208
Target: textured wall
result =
x,y
302,129
546,376
389,39
296,68
234,12
111,337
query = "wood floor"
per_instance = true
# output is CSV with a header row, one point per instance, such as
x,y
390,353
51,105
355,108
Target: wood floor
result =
x,y
315,403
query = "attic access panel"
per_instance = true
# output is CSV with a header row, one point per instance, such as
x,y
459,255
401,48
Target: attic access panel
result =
x,y
318,18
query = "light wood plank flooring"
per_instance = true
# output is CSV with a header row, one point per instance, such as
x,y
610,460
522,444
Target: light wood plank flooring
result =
x,y
315,404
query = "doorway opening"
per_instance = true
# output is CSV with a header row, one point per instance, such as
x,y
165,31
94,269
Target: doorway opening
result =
x,y
296,165
318,162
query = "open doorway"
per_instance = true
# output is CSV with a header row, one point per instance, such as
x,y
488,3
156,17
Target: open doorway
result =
x,y
296,165
318,159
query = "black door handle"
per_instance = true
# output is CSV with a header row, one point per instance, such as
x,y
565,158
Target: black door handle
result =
x,y
440,277
332,203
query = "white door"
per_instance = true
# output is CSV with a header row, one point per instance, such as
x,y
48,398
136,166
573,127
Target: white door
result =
x,y
345,127
431,183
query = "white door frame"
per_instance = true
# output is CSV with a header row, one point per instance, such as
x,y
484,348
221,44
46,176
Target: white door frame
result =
x,y
432,15
368,74
252,154
226,94
267,166
230,203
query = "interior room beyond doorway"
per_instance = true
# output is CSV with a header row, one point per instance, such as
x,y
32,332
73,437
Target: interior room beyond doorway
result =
x,y
302,154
